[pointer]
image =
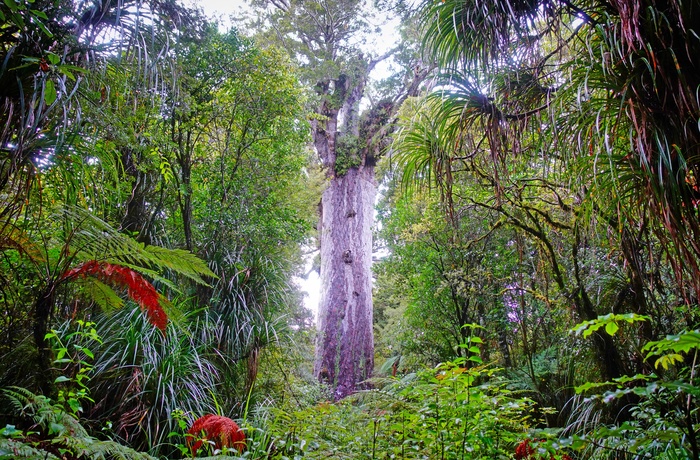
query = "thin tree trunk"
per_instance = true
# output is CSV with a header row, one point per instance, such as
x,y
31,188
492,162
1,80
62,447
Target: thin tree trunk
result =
x,y
42,314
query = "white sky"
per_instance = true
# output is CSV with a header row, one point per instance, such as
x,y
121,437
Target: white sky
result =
x,y
223,7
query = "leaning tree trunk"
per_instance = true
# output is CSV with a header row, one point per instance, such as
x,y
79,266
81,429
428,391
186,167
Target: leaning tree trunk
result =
x,y
345,345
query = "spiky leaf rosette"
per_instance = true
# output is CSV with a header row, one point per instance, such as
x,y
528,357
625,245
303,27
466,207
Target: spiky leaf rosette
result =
x,y
137,287
223,431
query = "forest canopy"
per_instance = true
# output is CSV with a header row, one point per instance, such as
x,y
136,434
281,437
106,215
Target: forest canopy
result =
x,y
505,227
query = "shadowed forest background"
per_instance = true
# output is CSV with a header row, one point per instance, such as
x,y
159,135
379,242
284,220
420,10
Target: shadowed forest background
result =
x,y
504,218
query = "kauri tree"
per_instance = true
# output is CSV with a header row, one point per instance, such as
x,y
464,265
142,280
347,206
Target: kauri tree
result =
x,y
324,37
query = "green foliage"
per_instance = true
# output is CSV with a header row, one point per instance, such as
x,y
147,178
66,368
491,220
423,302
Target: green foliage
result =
x,y
669,349
90,238
141,376
71,359
450,411
347,154
609,322
54,433
661,414
165,136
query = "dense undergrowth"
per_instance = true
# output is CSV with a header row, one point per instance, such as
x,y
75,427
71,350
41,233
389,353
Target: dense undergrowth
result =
x,y
462,409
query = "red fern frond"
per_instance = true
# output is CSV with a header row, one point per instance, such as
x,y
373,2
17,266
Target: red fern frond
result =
x,y
524,450
137,287
223,431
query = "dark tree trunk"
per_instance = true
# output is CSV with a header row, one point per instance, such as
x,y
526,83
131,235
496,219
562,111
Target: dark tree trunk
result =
x,y
135,218
42,313
183,156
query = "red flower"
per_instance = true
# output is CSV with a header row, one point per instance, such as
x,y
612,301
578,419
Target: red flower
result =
x,y
140,290
223,431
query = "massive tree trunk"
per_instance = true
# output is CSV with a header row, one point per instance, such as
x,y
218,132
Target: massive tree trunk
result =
x,y
324,36
345,345
348,147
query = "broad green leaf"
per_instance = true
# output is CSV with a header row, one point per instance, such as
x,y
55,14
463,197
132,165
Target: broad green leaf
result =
x,y
66,72
611,328
50,93
668,360
39,14
12,5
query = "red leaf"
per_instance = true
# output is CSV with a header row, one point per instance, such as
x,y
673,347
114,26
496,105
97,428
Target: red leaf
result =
x,y
223,431
137,287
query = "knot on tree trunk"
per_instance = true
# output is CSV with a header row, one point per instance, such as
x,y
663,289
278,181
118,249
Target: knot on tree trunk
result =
x,y
347,256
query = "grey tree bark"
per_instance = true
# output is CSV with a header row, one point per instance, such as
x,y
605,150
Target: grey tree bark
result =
x,y
323,36
345,345
348,147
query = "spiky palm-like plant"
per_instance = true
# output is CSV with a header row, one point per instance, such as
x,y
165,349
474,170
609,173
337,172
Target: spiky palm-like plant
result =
x,y
142,376
615,82
74,236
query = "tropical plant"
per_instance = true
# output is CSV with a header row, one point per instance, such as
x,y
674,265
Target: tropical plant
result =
x,y
142,376
458,409
222,431
662,417
52,433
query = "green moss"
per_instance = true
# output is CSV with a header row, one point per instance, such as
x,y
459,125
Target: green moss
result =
x,y
347,150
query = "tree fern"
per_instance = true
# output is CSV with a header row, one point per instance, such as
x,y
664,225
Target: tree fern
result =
x,y
101,450
93,239
140,290
12,237
14,448
44,414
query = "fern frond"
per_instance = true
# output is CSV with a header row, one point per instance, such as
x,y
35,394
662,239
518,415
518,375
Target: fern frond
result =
x,y
16,449
43,412
103,295
12,237
93,239
181,261
223,431
96,449
71,434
